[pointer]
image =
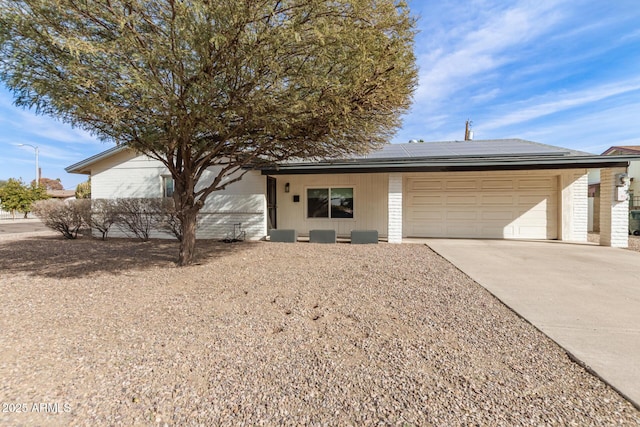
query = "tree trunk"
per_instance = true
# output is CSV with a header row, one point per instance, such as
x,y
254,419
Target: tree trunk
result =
x,y
188,243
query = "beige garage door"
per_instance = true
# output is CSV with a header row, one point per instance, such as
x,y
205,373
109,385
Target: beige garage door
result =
x,y
482,207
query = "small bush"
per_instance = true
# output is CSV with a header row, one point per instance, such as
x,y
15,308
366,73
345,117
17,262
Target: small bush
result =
x,y
83,190
139,216
170,221
99,214
65,217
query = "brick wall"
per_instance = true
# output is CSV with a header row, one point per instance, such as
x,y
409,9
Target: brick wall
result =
x,y
395,208
614,215
580,207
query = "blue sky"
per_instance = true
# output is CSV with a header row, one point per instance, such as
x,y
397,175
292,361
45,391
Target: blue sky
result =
x,y
564,73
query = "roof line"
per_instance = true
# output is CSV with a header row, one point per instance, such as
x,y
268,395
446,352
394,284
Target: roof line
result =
x,y
468,164
435,158
77,167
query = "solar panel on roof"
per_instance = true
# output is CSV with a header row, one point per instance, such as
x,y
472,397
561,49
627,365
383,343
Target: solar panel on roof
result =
x,y
502,147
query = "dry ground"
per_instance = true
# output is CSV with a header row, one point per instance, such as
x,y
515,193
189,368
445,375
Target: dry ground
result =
x,y
273,334
634,241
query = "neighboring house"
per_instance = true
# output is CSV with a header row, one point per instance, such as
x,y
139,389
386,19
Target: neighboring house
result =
x,y
634,184
62,194
505,189
633,171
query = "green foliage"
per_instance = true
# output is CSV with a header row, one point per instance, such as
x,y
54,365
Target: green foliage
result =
x,y
2,183
16,196
83,190
200,83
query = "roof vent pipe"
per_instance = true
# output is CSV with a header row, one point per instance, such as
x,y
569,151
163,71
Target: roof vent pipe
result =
x,y
468,133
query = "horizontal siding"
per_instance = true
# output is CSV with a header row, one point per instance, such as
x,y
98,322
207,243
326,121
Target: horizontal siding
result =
x,y
127,175
214,226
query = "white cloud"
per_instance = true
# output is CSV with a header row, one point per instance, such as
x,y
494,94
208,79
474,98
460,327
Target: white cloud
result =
x,y
486,96
49,128
555,102
483,50
26,124
593,132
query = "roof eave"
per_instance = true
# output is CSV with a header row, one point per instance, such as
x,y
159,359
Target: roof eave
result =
x,y
82,167
577,162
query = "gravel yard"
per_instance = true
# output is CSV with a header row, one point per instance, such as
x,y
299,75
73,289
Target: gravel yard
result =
x,y
112,333
634,241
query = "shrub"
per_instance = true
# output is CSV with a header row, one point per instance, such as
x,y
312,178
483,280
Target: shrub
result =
x,y
170,221
139,216
102,215
98,214
83,190
64,217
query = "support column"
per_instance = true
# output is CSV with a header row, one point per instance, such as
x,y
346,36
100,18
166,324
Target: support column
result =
x,y
573,206
614,215
394,231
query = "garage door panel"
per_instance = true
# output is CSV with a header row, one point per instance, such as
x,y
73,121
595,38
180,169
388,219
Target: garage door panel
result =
x,y
496,232
461,230
535,183
532,221
482,207
431,230
533,199
497,199
539,208
531,232
427,200
497,215
497,184
464,200
468,215
424,184
461,185
427,215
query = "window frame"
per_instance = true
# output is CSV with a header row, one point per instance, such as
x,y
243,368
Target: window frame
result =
x,y
328,188
163,181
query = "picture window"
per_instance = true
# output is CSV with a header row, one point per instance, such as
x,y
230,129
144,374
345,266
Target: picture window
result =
x,y
330,203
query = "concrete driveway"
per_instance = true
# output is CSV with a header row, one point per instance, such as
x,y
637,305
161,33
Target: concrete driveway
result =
x,y
584,297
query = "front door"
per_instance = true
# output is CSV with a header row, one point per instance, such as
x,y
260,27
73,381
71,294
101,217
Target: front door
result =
x,y
271,203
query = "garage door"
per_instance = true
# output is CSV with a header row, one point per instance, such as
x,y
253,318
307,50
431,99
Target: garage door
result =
x,y
481,207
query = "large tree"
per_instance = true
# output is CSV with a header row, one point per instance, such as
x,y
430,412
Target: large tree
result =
x,y
16,196
49,184
198,84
